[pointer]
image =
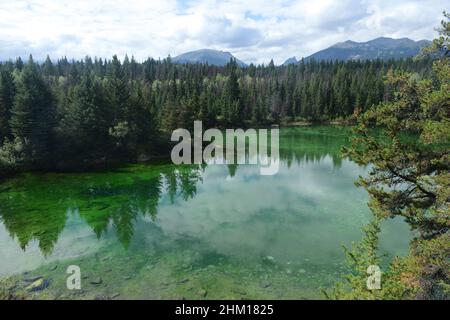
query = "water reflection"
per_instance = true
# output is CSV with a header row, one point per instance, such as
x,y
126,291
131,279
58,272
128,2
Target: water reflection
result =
x,y
35,207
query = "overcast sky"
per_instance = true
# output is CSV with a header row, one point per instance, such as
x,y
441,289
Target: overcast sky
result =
x,y
252,30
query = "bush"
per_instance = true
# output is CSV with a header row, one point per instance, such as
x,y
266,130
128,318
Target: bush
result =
x,y
12,155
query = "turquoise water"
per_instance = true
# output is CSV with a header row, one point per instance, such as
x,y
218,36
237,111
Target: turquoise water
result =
x,y
160,231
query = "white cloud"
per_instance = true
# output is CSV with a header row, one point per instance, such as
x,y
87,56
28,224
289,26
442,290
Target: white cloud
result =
x,y
254,30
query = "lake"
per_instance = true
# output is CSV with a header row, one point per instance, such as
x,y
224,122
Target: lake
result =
x,y
160,231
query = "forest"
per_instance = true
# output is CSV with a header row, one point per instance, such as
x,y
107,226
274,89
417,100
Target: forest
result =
x,y
209,232
68,114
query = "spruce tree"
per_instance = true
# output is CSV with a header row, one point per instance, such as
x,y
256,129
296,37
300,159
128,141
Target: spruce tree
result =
x,y
7,91
33,115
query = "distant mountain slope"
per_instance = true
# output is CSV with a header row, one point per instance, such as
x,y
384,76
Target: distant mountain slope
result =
x,y
212,57
380,48
292,60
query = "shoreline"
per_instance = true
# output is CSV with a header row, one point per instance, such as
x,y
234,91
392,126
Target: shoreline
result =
x,y
83,165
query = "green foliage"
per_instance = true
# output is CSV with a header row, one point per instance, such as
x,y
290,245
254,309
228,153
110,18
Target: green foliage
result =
x,y
76,112
409,178
441,44
7,91
33,114
85,118
120,132
12,154
400,279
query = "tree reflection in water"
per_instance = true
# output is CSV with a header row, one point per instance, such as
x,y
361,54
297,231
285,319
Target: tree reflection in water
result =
x,y
36,206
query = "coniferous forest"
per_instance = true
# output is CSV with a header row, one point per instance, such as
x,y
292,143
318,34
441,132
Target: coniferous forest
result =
x,y
91,206
66,114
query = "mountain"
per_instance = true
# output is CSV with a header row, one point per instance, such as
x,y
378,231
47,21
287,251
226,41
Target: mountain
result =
x,y
212,57
292,60
379,48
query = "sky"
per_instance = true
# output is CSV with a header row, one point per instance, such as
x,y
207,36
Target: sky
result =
x,y
252,30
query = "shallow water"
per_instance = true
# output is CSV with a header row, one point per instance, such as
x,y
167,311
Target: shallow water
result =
x,y
161,231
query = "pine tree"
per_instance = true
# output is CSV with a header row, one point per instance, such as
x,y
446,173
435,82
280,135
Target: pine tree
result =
x,y
119,103
205,113
85,120
19,64
33,115
7,91
409,177
48,68
141,117
232,96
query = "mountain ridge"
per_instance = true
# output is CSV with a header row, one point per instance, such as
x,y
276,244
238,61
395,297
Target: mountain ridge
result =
x,y
291,60
210,56
383,48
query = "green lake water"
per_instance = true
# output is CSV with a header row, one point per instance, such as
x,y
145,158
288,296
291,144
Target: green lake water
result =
x,y
161,231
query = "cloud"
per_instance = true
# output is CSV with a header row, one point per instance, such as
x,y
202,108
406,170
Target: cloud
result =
x,y
254,30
